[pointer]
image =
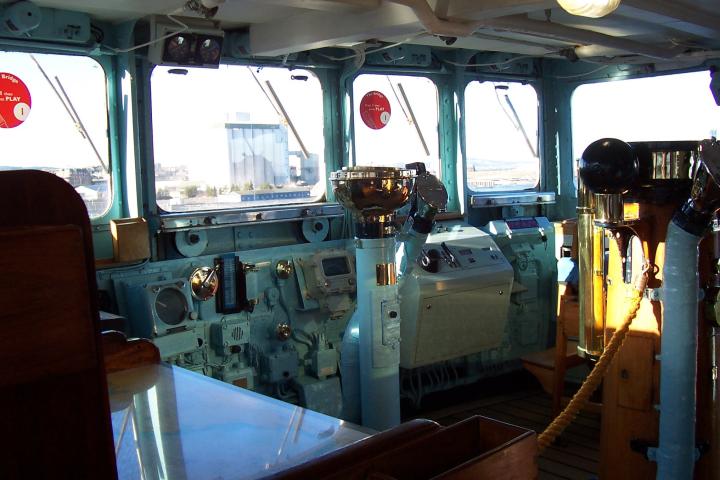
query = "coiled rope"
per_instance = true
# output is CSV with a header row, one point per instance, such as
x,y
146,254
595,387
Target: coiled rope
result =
x,y
580,399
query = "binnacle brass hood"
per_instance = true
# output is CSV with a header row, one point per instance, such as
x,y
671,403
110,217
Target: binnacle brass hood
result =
x,y
372,190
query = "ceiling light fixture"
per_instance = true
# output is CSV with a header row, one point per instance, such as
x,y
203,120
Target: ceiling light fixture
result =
x,y
589,8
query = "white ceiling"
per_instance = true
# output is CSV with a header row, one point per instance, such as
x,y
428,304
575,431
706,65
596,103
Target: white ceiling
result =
x,y
658,28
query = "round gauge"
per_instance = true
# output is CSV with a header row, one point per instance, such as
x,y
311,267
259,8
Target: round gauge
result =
x,y
177,49
209,51
171,306
204,283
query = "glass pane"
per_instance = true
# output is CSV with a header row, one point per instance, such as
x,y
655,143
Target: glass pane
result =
x,y
397,139
65,131
672,107
221,139
501,136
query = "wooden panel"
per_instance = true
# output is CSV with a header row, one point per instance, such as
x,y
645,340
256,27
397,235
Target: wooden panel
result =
x,y
43,297
635,363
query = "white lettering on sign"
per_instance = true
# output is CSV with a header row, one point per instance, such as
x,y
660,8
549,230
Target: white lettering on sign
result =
x,y
15,101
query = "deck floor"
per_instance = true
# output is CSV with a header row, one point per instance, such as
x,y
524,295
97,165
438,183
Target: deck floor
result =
x,y
574,455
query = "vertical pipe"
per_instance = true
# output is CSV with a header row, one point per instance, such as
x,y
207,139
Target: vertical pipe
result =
x,y
598,285
350,371
588,344
379,357
678,365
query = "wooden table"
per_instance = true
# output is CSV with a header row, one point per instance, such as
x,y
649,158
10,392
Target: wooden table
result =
x,y
171,423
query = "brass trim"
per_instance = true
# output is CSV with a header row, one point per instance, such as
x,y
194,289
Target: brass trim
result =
x,y
204,283
385,274
283,269
367,173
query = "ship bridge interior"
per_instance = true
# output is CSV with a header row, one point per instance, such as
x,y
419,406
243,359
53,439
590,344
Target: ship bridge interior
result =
x,y
383,239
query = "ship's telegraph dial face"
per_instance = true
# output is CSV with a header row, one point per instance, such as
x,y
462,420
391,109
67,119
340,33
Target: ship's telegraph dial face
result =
x,y
204,283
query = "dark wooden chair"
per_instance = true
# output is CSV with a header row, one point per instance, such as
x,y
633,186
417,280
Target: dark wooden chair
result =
x,y
55,420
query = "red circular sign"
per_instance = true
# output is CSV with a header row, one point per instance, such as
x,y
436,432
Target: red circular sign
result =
x,y
14,101
375,110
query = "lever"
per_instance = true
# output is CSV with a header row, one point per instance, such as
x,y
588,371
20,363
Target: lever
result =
x,y
452,261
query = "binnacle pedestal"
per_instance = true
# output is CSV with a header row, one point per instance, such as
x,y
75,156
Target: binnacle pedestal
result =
x,y
373,194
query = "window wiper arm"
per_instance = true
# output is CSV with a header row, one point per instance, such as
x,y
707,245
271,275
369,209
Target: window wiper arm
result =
x,y
81,126
72,113
414,120
288,120
520,126
515,119
280,110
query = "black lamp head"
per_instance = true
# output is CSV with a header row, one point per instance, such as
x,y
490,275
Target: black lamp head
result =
x,y
609,165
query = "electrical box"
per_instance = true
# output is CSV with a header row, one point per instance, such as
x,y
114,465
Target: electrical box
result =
x,y
24,19
280,366
177,344
324,396
458,305
231,331
324,362
243,377
326,280
329,272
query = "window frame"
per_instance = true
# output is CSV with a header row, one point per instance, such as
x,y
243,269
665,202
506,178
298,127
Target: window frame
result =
x,y
390,72
107,64
171,221
463,159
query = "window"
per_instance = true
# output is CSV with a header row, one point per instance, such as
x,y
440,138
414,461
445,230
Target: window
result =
x,y
672,107
407,132
65,130
501,136
236,136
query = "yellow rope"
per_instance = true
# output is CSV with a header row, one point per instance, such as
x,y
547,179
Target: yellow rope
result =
x,y
580,399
